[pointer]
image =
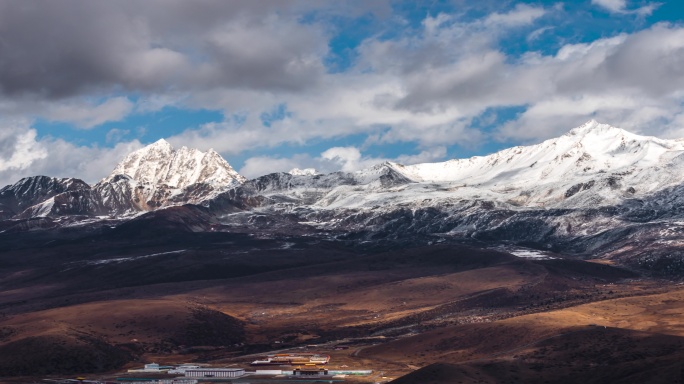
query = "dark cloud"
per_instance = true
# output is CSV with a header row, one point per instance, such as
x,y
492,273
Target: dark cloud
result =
x,y
61,49
650,61
89,62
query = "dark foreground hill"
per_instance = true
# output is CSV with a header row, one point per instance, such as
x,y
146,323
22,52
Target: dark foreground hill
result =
x,y
97,299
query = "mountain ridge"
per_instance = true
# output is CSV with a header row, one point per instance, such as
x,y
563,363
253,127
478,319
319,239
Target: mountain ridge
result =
x,y
597,191
160,163
590,164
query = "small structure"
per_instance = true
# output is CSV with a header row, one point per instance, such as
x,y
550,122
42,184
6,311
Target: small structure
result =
x,y
293,359
180,369
136,380
350,372
310,370
215,372
152,367
268,372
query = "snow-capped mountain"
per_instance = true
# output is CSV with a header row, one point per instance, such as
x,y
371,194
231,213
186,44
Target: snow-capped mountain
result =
x,y
609,161
592,165
150,178
595,190
33,190
160,163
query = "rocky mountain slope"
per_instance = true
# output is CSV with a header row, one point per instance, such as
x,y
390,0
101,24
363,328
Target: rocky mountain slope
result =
x,y
444,255
611,162
598,190
594,164
33,190
147,179
159,163
595,191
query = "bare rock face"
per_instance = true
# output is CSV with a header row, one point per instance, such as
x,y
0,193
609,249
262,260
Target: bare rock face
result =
x,y
33,190
597,190
150,178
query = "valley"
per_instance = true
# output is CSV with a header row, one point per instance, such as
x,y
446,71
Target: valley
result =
x,y
534,264
103,303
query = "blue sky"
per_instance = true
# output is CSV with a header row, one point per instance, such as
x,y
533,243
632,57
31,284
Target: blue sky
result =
x,y
274,85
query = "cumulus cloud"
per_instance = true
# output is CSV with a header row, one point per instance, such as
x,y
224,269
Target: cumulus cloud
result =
x,y
620,7
160,50
23,154
522,14
140,48
611,5
18,146
88,115
394,95
262,165
347,159
628,80
424,86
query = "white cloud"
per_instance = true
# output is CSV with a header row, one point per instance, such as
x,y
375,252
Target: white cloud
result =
x,y
611,5
89,163
430,155
395,95
262,165
19,146
347,159
620,6
522,14
424,87
115,135
23,154
89,115
647,10
537,33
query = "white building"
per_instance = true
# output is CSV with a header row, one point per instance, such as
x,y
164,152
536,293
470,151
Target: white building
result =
x,y
180,369
152,367
214,372
268,372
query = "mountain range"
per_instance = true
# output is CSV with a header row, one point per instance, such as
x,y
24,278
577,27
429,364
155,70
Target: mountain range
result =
x,y
596,192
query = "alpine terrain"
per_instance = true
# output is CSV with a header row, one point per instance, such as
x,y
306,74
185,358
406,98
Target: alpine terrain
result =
x,y
555,262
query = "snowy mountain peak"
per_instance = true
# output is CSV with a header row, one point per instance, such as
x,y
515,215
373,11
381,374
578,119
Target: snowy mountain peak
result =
x,y
160,163
584,128
594,128
161,144
592,154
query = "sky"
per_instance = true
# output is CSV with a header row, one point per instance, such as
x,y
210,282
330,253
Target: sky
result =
x,y
282,84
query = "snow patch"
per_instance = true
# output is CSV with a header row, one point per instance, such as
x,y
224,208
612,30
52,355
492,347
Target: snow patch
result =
x,y
124,259
526,253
